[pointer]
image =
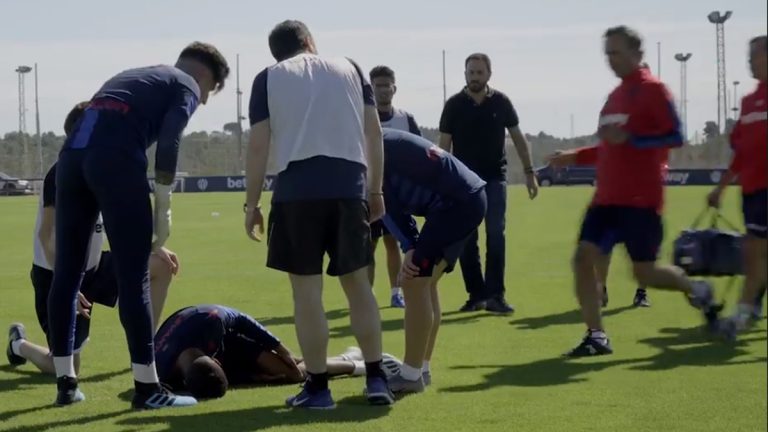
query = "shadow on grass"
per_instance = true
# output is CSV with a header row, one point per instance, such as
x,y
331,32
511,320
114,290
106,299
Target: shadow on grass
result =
x,y
349,410
56,425
696,349
541,373
286,320
7,415
563,318
678,348
34,377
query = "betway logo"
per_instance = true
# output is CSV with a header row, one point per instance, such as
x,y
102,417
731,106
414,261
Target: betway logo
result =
x,y
238,183
680,177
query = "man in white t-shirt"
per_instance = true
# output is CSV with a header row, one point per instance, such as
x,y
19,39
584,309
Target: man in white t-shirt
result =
x,y
99,282
314,124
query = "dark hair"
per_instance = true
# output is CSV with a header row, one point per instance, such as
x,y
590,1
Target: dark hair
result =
x,y
632,38
479,57
73,116
209,56
288,39
205,379
763,39
382,72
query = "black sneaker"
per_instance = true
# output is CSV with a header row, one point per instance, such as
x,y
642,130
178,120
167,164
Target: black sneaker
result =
x,y
473,305
605,296
590,347
641,298
15,332
161,397
498,306
68,393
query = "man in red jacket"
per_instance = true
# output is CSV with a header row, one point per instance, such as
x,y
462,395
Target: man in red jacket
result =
x,y
750,152
638,125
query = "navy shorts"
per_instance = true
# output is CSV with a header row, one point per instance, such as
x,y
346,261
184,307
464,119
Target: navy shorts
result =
x,y
753,206
99,286
445,232
640,229
378,230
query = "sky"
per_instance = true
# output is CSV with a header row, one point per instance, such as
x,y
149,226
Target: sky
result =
x,y
547,54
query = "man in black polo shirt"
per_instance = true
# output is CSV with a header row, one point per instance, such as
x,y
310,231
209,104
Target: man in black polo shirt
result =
x,y
474,123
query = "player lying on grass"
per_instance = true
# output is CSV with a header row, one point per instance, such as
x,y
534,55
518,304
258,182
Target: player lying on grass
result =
x,y
102,168
99,282
748,141
207,348
420,179
638,125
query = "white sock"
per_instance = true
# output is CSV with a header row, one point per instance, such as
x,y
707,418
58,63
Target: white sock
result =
x,y
425,366
16,346
598,335
410,373
65,366
359,368
146,374
397,290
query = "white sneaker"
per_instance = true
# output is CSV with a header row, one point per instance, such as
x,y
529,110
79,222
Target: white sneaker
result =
x,y
352,354
391,365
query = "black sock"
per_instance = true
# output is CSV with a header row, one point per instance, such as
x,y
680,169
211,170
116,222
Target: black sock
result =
x,y
374,369
317,382
145,388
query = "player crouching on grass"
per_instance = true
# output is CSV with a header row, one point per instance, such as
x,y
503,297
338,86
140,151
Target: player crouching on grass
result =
x,y
99,282
206,349
420,179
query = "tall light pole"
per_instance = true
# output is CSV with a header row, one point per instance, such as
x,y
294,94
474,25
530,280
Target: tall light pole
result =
x,y
683,59
719,20
445,93
240,117
22,71
736,104
37,130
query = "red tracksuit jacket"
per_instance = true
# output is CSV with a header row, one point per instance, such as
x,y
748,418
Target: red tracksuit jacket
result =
x,y
632,174
749,141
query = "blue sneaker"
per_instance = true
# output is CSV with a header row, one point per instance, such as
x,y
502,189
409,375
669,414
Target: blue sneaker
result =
x,y
321,400
161,398
397,301
377,391
67,391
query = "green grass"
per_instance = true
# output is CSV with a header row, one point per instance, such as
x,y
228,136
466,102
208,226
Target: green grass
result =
x,y
491,373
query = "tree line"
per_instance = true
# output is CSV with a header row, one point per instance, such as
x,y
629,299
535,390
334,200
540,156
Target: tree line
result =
x,y
220,152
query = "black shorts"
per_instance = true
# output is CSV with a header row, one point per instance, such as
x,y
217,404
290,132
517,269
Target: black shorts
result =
x,y
444,233
378,230
300,233
640,229
754,206
98,286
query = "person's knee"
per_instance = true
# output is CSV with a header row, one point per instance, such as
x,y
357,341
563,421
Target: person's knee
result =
x,y
643,272
585,257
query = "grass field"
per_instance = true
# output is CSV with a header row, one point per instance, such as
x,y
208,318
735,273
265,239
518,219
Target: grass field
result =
x,y
491,373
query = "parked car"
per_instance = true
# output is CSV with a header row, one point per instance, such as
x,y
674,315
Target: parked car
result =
x,y
14,186
574,175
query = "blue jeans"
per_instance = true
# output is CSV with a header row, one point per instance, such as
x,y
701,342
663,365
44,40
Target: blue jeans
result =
x,y
492,285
